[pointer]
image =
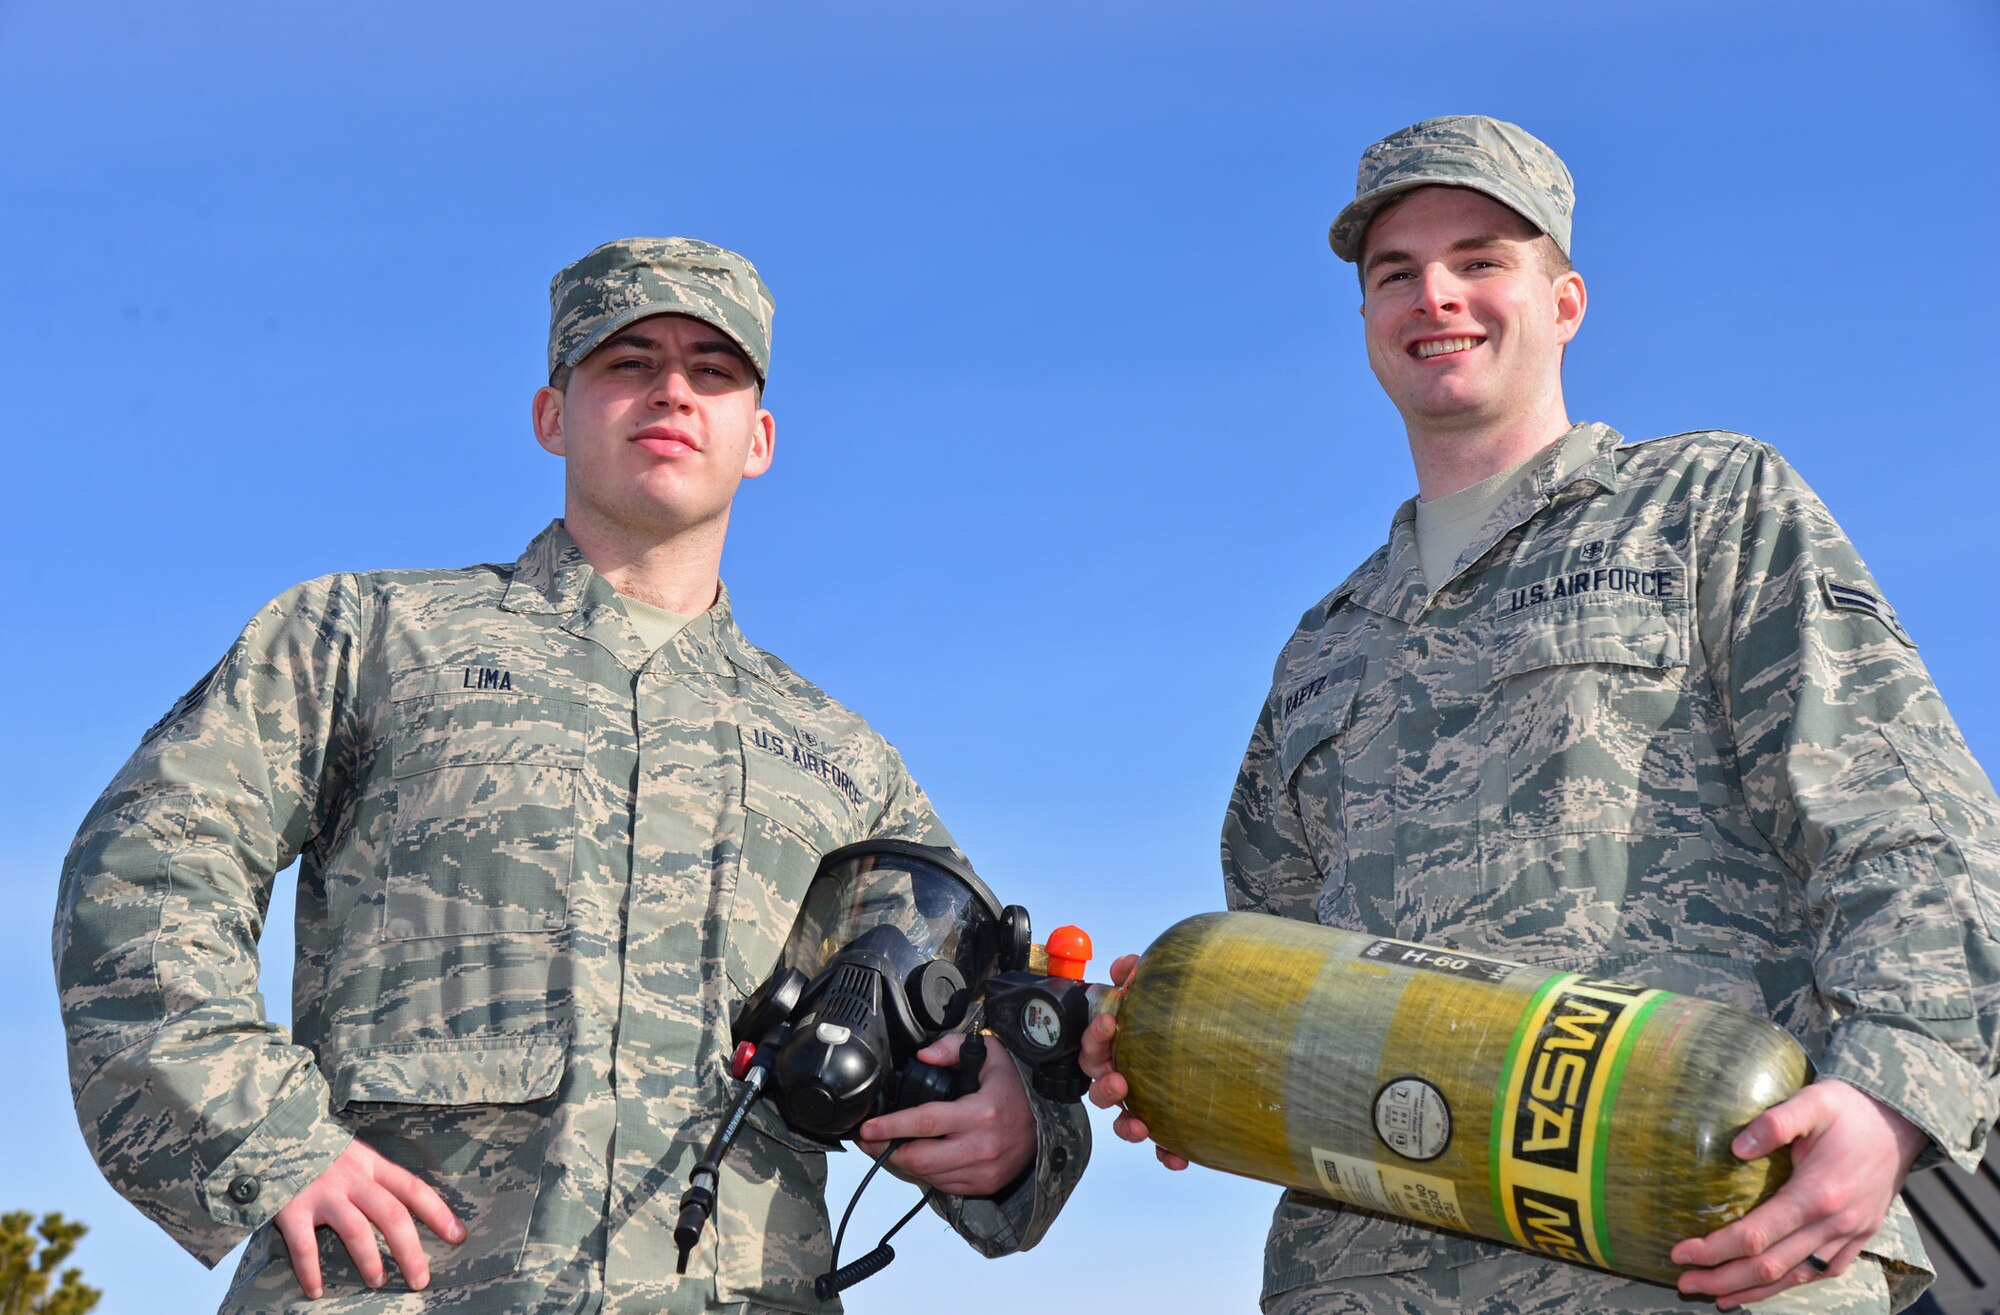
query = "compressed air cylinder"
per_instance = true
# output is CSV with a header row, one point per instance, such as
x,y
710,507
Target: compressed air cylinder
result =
x,y
1584,1119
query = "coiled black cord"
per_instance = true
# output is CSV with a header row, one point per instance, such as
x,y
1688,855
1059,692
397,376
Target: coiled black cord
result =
x,y
838,1278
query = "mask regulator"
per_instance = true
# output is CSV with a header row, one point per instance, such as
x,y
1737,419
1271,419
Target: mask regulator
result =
x,y
896,945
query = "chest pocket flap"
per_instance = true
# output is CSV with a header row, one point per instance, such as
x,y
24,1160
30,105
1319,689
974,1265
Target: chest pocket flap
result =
x,y
1654,639
1315,709
806,800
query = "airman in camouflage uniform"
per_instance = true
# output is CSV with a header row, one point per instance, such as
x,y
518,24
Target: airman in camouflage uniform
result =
x,y
1654,721
541,860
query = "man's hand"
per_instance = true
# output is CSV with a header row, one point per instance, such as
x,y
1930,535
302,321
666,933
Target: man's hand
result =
x,y
972,1146
359,1194
1107,1084
1850,1154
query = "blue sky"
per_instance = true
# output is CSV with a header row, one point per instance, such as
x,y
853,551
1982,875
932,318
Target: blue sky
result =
x,y
1073,415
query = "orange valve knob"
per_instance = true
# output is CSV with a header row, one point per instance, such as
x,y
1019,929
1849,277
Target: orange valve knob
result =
x,y
1069,951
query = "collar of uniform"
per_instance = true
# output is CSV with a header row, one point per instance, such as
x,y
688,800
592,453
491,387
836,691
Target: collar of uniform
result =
x,y
551,575
709,642
729,639
1398,587
1393,582
1583,454
1581,457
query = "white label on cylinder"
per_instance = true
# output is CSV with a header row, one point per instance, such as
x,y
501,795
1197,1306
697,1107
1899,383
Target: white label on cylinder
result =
x,y
1420,1196
1412,1119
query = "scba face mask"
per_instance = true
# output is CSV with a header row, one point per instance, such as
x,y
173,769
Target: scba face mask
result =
x,y
893,943
891,946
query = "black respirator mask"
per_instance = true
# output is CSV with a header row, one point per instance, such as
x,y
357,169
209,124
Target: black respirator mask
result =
x,y
893,943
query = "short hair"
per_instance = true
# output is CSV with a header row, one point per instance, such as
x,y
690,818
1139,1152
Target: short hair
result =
x,y
1553,261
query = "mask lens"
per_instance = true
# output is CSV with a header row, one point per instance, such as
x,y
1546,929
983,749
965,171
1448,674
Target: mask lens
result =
x,y
927,894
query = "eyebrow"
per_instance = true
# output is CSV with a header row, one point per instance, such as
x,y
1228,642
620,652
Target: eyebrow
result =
x,y
1477,242
631,339
704,347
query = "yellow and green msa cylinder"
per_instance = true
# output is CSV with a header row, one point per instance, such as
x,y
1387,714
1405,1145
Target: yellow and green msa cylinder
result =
x,y
1587,1120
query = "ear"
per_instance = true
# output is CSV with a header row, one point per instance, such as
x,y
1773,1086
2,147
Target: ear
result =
x,y
548,407
1571,299
763,443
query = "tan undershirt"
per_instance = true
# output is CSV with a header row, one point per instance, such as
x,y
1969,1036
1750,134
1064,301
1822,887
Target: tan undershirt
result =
x,y
656,625
1446,525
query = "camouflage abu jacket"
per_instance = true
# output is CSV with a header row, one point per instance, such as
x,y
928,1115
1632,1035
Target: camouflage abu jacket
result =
x,y
1660,723
540,866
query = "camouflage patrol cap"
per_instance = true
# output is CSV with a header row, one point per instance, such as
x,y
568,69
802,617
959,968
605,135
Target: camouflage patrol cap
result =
x,y
625,281
1498,159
